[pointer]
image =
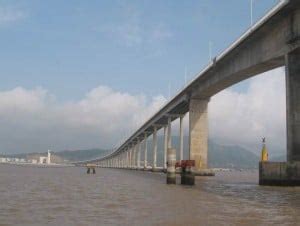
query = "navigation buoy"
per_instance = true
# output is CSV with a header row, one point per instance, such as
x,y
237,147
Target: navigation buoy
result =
x,y
264,151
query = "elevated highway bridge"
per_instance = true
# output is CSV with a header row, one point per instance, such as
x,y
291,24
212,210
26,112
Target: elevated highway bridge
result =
x,y
274,41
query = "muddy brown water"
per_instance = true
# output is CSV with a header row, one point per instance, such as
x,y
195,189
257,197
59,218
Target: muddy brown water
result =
x,y
68,196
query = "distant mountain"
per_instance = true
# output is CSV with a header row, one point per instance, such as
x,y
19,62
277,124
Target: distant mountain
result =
x,y
219,156
225,156
278,158
81,155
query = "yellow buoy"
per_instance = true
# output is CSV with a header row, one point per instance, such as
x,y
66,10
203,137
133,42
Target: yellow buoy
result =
x,y
264,152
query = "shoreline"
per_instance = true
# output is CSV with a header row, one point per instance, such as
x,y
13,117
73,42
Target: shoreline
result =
x,y
52,165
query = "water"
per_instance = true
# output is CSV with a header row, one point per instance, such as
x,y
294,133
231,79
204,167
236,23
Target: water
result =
x,y
68,196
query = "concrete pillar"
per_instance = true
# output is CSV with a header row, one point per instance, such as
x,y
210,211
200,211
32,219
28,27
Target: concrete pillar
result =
x,y
171,171
124,159
127,159
139,154
169,132
165,147
134,156
131,157
145,151
154,146
198,124
293,105
181,138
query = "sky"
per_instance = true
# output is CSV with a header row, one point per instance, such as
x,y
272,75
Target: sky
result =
x,y
85,74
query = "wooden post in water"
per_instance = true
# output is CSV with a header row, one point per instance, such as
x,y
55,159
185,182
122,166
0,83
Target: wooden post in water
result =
x,y
91,167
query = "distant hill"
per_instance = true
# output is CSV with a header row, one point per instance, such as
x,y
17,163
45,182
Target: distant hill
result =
x,y
81,155
225,156
219,156
278,158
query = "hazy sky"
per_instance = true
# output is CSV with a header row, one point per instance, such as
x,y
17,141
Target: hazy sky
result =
x,y
83,75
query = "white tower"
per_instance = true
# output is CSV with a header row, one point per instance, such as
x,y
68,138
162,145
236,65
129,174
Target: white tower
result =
x,y
49,157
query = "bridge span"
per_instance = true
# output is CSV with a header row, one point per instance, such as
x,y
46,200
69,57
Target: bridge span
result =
x,y
274,41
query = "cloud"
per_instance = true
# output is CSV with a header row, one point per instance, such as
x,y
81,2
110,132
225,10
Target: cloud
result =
x,y
10,15
160,33
32,120
131,30
243,118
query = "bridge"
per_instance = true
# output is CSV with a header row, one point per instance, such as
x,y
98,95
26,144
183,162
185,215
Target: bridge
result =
x,y
274,41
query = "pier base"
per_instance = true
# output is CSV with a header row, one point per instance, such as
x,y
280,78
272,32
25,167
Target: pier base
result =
x,y
203,172
279,173
187,176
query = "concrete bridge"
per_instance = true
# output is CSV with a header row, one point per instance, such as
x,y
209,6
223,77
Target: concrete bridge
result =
x,y
272,42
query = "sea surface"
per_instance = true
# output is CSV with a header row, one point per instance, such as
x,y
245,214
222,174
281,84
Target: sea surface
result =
x,y
68,196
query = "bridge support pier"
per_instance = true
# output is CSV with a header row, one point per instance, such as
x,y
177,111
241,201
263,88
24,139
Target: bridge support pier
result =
x,y
145,152
293,105
198,124
134,157
128,159
181,138
138,155
154,148
165,148
288,173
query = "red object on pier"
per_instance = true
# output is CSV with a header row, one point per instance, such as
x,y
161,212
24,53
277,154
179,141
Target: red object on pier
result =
x,y
185,163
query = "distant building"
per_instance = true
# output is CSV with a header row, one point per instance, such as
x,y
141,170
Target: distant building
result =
x,y
45,160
